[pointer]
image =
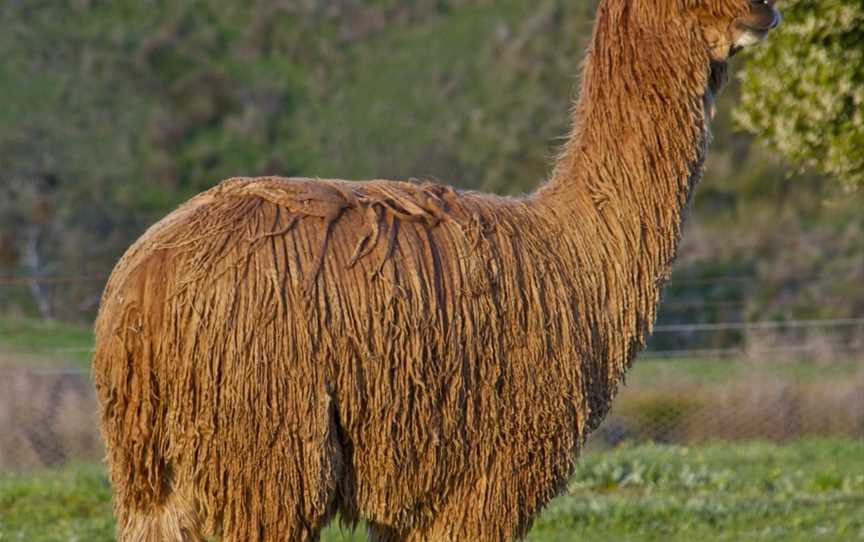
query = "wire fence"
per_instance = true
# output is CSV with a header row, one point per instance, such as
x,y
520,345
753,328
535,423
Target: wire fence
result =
x,y
48,417
768,380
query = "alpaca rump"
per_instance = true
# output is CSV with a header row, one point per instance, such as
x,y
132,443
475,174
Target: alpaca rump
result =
x,y
427,360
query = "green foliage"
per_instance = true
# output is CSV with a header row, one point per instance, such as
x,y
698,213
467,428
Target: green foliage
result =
x,y
804,93
811,490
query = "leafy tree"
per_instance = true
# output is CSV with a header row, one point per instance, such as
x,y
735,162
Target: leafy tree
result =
x,y
804,92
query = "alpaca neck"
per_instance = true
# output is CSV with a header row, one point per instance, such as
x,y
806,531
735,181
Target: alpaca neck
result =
x,y
621,185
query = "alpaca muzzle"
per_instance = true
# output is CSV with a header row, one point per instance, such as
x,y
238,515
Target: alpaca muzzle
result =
x,y
754,27
763,17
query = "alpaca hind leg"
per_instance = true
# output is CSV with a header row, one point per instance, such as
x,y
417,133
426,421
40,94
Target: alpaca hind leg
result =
x,y
289,498
174,520
287,490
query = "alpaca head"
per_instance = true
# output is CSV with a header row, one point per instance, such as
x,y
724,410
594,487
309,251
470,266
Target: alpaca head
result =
x,y
693,32
724,27
728,26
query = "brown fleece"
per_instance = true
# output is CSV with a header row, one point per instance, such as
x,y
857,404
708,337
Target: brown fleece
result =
x,y
428,360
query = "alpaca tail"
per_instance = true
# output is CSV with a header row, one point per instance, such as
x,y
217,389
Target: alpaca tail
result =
x,y
150,503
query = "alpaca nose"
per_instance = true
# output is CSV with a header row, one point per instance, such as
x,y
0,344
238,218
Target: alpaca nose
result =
x,y
764,16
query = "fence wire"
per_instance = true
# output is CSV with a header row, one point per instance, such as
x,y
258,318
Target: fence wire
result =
x,y
48,418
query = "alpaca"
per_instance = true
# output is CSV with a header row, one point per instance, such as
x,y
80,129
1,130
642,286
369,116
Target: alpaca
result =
x,y
426,360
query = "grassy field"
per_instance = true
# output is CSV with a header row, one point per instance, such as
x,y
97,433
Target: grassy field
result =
x,y
37,342
810,490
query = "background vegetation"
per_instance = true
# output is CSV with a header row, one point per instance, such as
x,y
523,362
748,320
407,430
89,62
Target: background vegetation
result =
x,y
115,111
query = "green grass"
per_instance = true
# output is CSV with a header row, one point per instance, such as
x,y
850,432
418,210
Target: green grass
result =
x,y
46,341
707,371
62,506
810,490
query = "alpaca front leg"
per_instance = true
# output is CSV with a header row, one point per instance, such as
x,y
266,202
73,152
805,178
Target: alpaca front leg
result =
x,y
482,513
492,510
501,503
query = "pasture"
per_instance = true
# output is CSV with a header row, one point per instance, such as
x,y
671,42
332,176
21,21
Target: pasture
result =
x,y
803,491
800,488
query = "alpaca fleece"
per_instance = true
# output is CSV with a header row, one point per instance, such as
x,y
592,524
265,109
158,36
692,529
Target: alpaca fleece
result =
x,y
428,360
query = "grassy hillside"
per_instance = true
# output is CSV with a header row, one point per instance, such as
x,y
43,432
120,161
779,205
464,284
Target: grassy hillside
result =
x,y
812,490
